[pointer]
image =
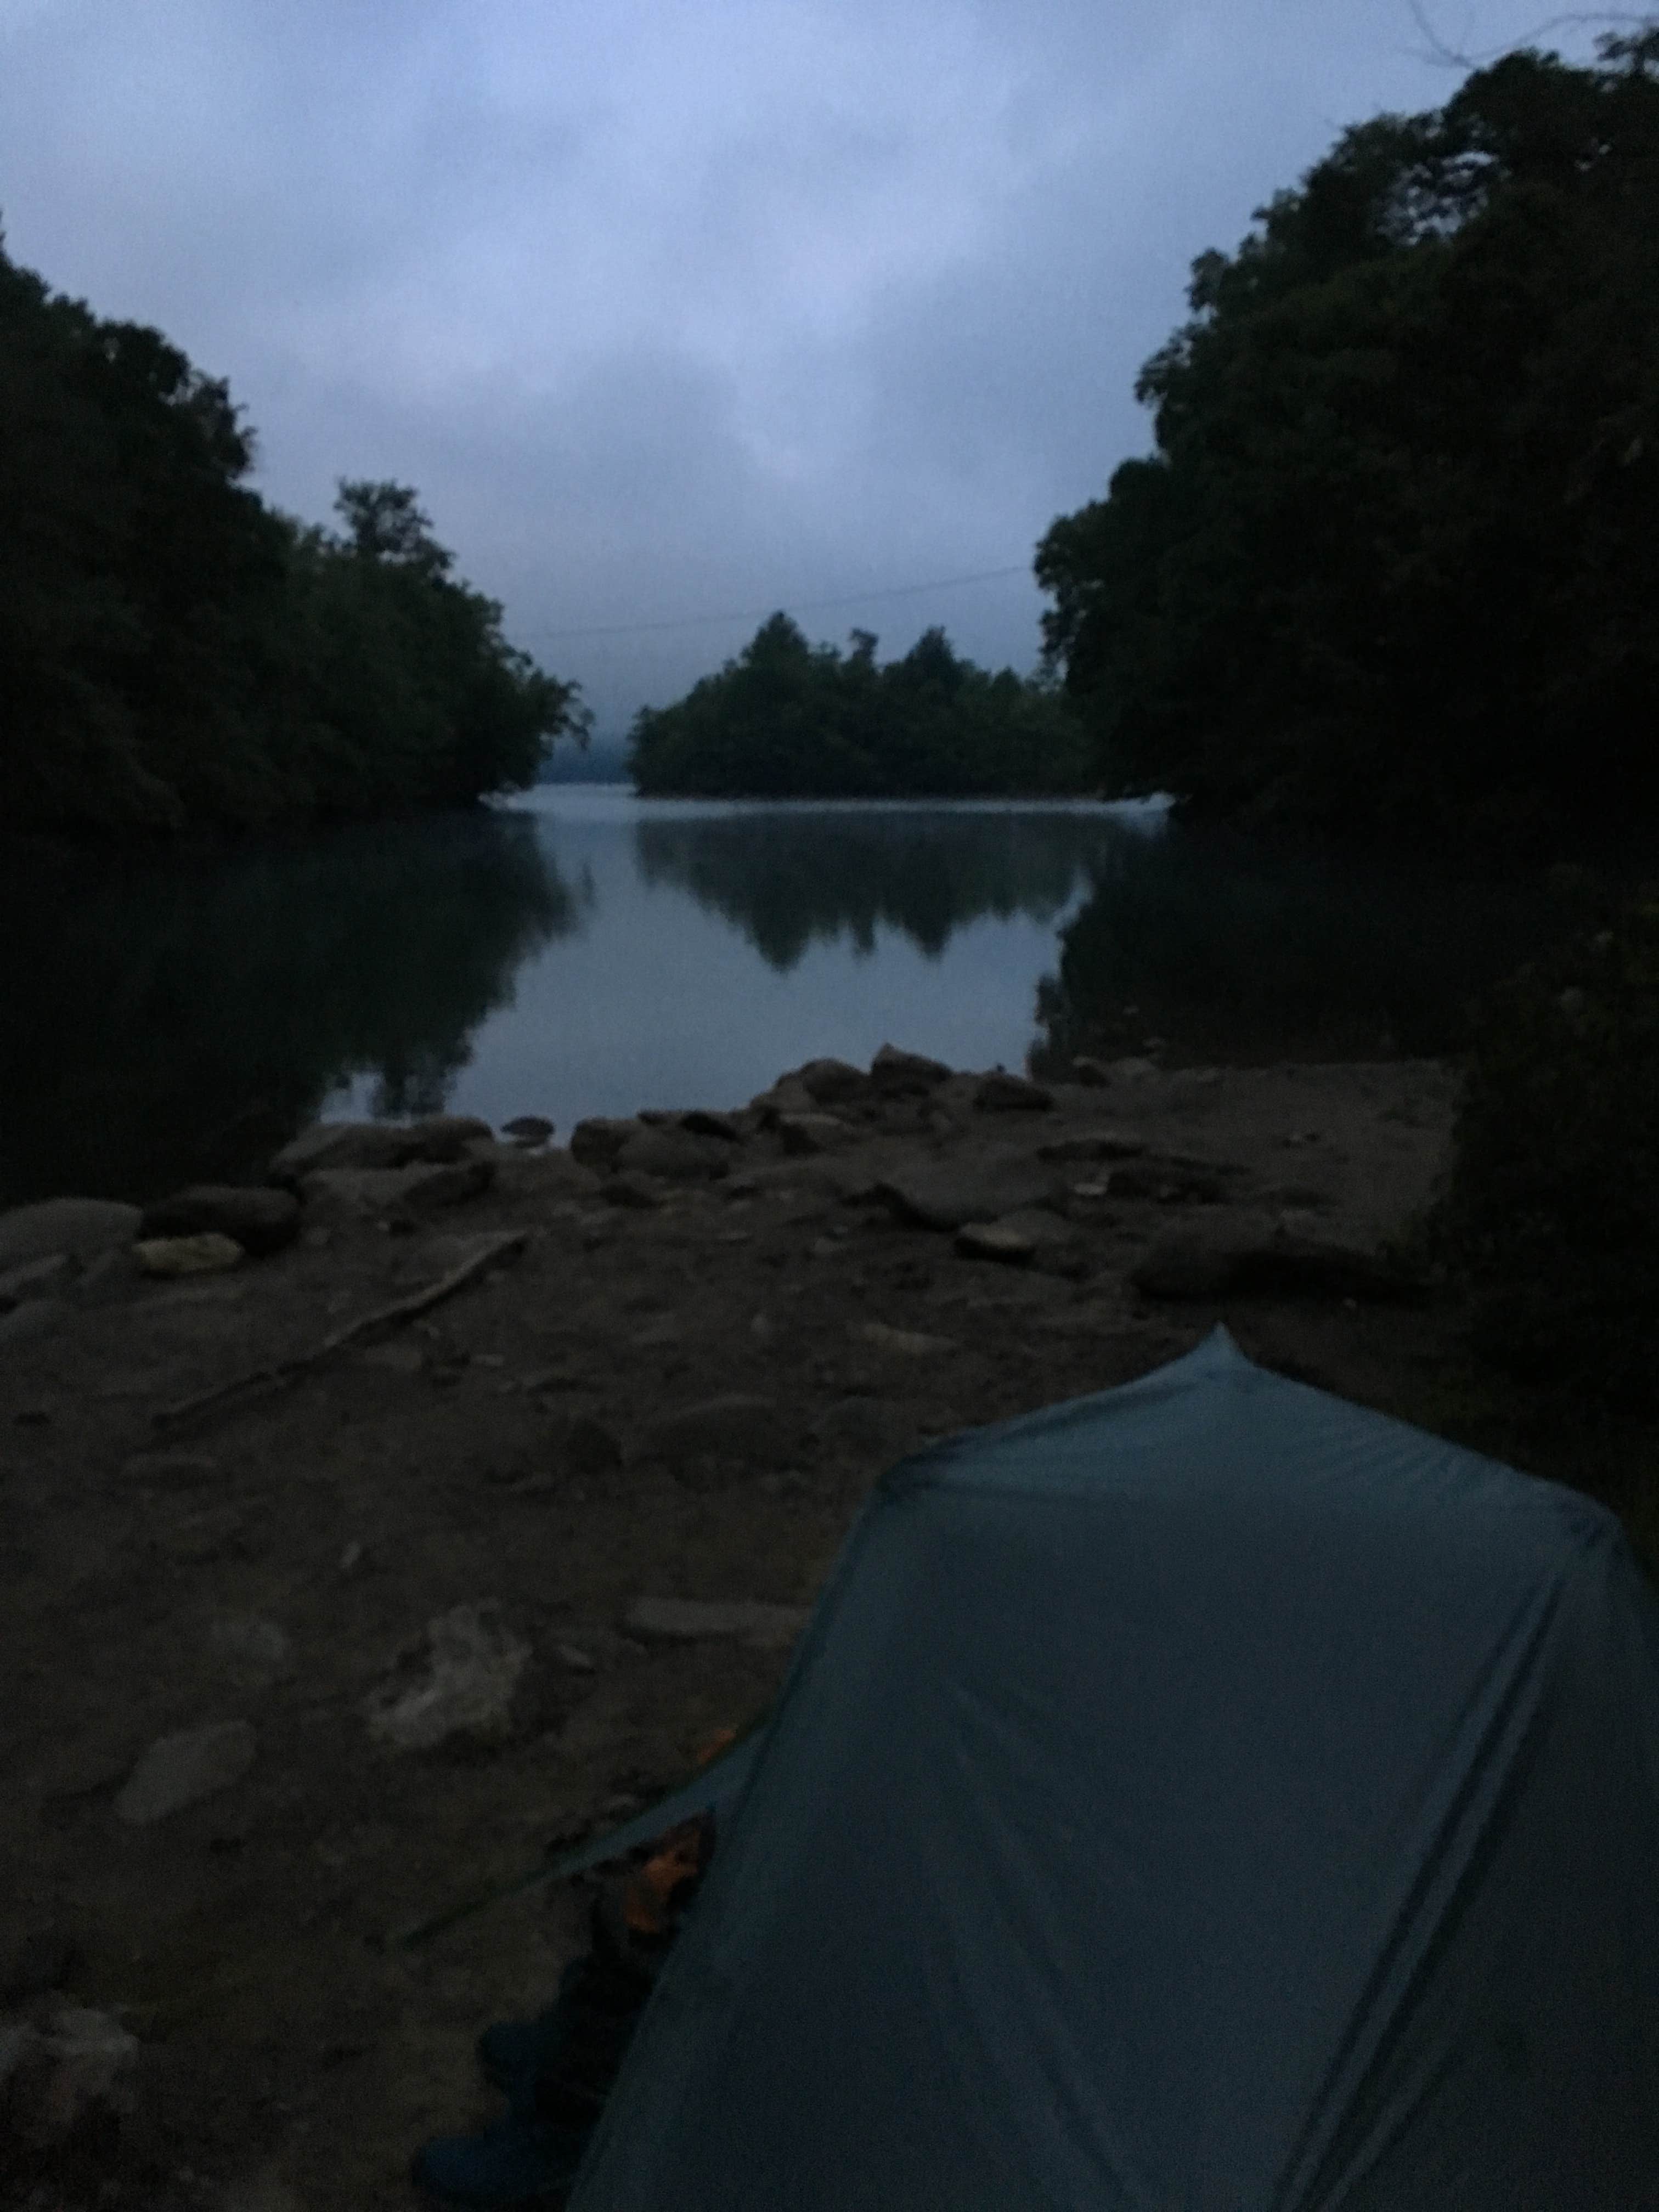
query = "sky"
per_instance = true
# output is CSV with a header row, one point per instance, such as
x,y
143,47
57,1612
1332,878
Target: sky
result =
x,y
682,309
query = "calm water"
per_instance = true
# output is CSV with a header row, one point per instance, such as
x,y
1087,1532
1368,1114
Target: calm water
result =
x,y
586,952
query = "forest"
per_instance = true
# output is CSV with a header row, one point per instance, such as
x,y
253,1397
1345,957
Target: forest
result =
x,y
790,720
179,657
1391,571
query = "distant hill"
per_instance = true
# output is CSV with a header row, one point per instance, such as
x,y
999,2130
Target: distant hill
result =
x,y
603,761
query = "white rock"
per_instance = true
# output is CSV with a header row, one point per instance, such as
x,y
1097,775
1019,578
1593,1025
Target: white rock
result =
x,y
472,1668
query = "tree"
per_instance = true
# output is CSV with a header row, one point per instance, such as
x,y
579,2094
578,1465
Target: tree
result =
x,y
1389,570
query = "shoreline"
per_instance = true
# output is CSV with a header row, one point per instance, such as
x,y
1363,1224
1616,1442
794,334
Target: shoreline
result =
x,y
673,1363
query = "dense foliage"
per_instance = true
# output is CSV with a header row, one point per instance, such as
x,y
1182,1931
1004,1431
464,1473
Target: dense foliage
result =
x,y
175,655
1392,569
789,720
1551,1208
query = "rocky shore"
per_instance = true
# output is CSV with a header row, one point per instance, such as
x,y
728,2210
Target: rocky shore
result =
x,y
443,1497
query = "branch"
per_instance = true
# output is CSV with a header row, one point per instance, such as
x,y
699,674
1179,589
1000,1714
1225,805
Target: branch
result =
x,y
1450,57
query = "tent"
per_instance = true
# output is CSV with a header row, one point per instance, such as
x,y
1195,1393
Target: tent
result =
x,y
1204,1794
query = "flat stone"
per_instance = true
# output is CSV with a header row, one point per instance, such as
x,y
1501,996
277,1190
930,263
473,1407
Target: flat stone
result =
x,y
1002,1093
832,1082
437,1138
896,1072
804,1134
83,1227
376,1192
947,1195
261,1220
737,1426
994,1239
686,1620
35,1278
675,1155
459,1680
209,1253
527,1130
596,1141
907,1343
180,1769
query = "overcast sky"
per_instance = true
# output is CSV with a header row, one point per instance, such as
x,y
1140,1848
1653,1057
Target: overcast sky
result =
x,y
687,308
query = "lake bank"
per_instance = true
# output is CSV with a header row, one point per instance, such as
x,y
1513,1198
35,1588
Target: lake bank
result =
x,y
680,1384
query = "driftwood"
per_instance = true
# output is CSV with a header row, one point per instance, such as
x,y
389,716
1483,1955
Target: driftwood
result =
x,y
487,1252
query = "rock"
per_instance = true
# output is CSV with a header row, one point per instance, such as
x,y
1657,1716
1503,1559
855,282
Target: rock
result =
x,y
588,1448
908,1344
459,1680
1097,1145
1168,1180
673,1154
637,1191
375,1192
53,2073
209,1253
35,1317
832,1082
578,1661
807,1134
261,1220
735,1427
1087,1070
1188,1268
35,1278
596,1142
527,1130
1134,1068
178,1769
685,1621
439,1138
83,1227
788,1095
44,1959
895,1072
994,1239
257,1649
947,1195
706,1121
1002,1093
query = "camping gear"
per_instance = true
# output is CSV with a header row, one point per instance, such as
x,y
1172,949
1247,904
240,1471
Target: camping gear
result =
x,y
1205,1794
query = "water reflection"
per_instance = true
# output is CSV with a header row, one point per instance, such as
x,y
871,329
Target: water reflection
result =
x,y
167,1021
788,878
1237,949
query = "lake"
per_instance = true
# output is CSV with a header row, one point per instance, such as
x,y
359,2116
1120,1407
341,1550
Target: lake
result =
x,y
582,951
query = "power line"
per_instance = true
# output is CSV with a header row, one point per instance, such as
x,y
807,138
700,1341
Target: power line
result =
x,y
803,606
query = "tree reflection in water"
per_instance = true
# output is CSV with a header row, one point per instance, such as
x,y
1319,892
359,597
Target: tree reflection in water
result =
x,y
169,1019
788,877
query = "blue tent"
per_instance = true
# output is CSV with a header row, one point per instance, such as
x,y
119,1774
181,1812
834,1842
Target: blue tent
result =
x,y
1205,1794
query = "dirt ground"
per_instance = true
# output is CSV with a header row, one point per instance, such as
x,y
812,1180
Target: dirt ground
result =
x,y
275,1558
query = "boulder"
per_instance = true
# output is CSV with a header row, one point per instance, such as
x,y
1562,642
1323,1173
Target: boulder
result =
x,y
595,1142
527,1130
895,1072
788,1095
180,1769
708,1122
674,1154
261,1220
459,1679
438,1137
83,1227
947,1195
804,1134
688,1621
832,1082
1002,1093
372,1193
634,1191
1086,1069
209,1253
35,1278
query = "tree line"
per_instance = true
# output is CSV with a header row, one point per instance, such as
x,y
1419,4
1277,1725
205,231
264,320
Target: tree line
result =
x,y
1391,569
788,719
178,656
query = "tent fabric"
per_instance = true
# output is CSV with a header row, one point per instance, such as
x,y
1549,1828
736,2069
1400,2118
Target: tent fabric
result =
x,y
1205,1794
